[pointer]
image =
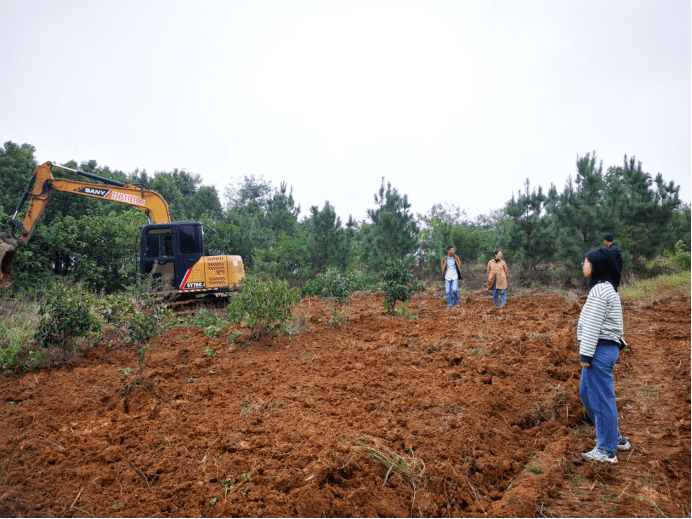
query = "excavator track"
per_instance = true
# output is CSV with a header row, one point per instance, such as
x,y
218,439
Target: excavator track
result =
x,y
193,305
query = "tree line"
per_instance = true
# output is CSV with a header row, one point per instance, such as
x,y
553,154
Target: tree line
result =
x,y
97,243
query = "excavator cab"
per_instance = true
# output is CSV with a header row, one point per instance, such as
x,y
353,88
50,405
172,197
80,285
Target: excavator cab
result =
x,y
170,250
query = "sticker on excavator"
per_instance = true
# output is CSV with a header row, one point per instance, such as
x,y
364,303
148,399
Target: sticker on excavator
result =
x,y
128,199
103,193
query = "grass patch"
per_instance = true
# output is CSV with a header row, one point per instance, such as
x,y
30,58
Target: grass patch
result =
x,y
18,323
536,469
406,312
649,502
408,467
659,287
649,391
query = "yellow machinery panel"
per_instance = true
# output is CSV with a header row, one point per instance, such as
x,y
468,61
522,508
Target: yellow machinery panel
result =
x,y
214,273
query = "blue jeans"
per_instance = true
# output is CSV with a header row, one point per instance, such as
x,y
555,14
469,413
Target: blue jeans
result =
x,y
597,392
452,288
501,292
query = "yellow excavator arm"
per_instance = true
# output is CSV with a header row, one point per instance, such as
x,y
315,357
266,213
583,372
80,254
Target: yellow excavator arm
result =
x,y
41,187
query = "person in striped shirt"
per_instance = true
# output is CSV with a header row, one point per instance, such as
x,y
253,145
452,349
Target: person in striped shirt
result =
x,y
599,333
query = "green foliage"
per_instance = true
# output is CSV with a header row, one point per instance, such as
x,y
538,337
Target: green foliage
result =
x,y
264,305
657,287
281,217
134,320
680,227
283,260
393,232
328,243
16,164
331,284
360,281
396,282
18,322
682,256
66,315
444,226
212,323
339,285
528,232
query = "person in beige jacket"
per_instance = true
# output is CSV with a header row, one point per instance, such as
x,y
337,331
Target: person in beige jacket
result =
x,y
497,278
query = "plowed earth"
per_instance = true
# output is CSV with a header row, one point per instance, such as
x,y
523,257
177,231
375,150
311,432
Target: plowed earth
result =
x,y
477,409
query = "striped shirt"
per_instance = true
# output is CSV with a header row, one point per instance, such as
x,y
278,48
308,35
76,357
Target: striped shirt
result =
x,y
600,318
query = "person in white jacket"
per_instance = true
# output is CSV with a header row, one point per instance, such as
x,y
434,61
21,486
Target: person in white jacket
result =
x,y
600,333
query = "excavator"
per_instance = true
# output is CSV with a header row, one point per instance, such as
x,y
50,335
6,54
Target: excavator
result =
x,y
172,252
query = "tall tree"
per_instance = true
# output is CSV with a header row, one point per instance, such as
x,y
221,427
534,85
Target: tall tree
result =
x,y
281,216
328,243
528,233
580,214
16,164
394,230
248,192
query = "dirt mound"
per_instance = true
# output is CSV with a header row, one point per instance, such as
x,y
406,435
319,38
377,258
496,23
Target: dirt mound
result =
x,y
467,411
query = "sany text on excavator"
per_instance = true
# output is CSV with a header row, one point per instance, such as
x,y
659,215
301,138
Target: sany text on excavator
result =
x,y
171,251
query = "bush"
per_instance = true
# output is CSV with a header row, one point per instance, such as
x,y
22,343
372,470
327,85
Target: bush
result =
x,y
682,258
66,315
136,320
397,282
338,285
264,305
18,324
331,284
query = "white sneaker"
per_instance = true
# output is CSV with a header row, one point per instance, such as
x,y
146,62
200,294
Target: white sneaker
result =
x,y
600,455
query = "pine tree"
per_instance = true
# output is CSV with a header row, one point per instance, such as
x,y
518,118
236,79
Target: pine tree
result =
x,y
528,233
281,216
328,242
646,209
393,232
581,216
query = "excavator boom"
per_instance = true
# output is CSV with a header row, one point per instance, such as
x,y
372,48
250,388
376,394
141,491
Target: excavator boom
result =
x,y
41,187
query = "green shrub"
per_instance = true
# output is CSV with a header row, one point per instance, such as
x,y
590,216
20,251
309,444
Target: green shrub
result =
x,y
66,315
338,285
264,305
18,322
135,320
682,258
331,284
396,282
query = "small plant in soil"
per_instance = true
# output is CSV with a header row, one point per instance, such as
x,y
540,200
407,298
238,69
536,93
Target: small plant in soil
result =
x,y
406,312
397,282
536,469
264,306
409,468
66,315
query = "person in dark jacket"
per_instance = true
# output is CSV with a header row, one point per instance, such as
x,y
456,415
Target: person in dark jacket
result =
x,y
616,267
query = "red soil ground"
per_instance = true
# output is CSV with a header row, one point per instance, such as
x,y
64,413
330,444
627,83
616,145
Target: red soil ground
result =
x,y
479,408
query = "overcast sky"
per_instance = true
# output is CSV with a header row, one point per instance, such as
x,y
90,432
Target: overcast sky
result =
x,y
451,101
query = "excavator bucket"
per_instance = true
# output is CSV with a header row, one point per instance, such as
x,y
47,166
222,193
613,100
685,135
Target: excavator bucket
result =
x,y
8,249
